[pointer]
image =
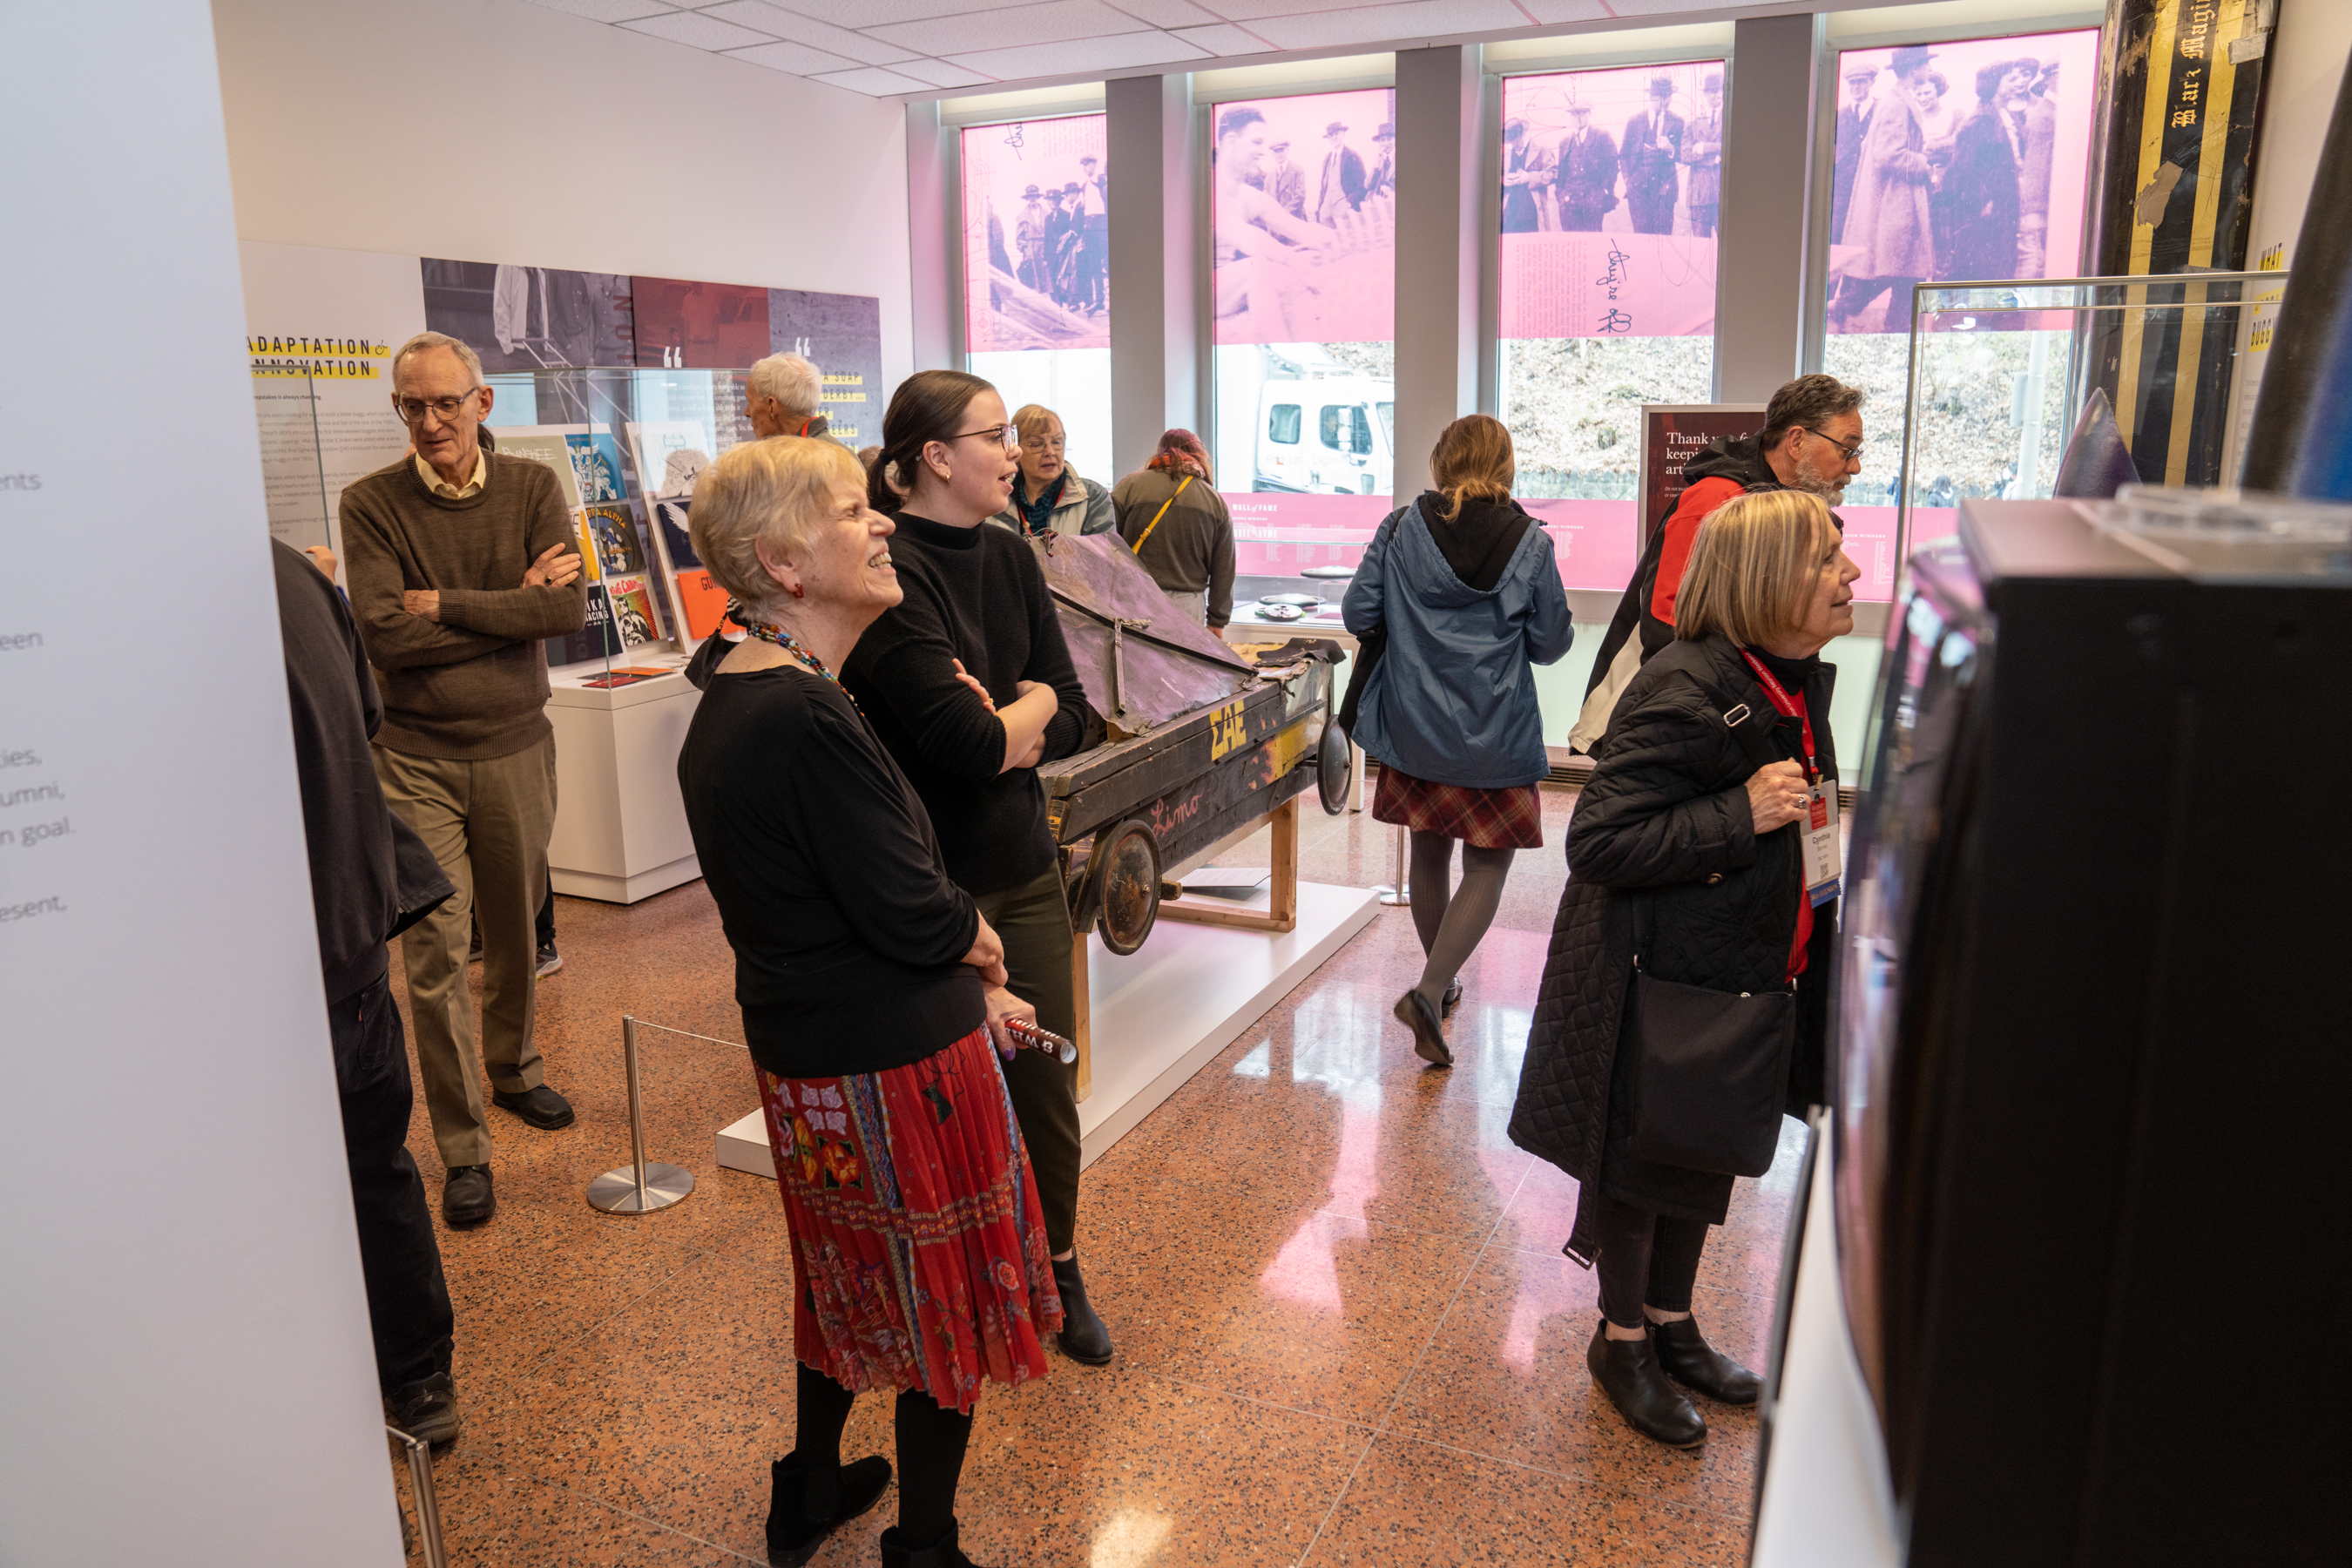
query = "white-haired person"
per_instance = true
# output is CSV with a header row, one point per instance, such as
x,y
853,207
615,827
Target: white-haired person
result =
x,y
871,987
784,396
1048,495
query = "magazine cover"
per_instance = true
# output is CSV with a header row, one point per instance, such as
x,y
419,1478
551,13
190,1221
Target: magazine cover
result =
x,y
612,533
635,617
590,571
542,444
594,640
597,464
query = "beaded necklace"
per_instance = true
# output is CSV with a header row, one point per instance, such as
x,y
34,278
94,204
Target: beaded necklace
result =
x,y
769,632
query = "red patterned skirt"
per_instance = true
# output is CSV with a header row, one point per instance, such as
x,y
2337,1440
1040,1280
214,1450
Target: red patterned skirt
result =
x,y
917,1244
1481,818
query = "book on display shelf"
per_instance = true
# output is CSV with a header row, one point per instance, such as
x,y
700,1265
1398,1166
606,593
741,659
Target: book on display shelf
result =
x,y
597,638
547,448
596,465
612,530
635,615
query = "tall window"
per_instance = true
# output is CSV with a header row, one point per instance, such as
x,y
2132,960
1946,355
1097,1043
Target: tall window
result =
x,y
1611,182
1036,257
1304,273
1955,162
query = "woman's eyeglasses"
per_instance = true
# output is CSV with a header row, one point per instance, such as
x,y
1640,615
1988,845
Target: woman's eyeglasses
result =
x,y
1008,434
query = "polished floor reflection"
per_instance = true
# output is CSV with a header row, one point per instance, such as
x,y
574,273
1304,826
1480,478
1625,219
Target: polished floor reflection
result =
x,y
1346,1334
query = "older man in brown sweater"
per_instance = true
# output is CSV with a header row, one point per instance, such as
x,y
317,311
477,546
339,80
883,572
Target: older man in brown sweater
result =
x,y
460,562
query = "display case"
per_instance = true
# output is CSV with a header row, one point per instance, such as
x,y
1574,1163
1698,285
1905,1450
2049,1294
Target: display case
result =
x,y
2000,375
624,444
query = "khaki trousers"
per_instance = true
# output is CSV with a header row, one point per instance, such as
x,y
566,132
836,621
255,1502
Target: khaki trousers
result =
x,y
488,822
1033,921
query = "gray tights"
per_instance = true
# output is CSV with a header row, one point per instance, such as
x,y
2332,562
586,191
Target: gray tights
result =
x,y
1450,923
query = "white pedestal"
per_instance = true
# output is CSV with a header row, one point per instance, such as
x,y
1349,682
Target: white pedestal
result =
x,y
620,825
1159,1016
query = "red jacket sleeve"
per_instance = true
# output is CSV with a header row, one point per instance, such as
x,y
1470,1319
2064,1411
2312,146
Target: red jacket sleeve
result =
x,y
1682,530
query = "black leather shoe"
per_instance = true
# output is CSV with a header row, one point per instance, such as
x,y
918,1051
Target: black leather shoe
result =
x,y
811,1502
1413,1011
942,1553
1453,1000
542,1107
466,1196
427,1410
1083,1339
1627,1372
1684,1355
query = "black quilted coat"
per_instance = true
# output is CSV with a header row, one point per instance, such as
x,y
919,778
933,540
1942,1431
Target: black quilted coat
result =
x,y
1664,862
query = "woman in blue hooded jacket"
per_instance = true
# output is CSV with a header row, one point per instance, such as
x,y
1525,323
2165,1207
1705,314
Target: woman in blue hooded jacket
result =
x,y
1464,584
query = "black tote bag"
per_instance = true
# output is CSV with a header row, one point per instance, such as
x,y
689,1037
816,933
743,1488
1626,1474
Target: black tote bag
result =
x,y
1705,1074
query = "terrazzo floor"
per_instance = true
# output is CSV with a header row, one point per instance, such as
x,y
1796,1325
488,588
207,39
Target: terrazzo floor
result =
x,y
1346,1332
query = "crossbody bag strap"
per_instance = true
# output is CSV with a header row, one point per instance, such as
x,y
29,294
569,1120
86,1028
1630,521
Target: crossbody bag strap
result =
x,y
1750,727
1158,515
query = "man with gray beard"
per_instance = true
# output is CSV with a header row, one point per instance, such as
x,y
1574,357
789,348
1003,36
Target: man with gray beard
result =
x,y
1810,441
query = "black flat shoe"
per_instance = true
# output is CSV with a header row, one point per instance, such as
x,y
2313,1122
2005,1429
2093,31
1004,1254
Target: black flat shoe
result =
x,y
942,1553
1684,1355
1083,1337
542,1107
427,1410
1453,1000
1413,1011
1627,1372
810,1502
466,1196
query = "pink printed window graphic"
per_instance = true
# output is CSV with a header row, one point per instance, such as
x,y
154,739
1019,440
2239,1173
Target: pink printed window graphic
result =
x,y
1611,182
1036,217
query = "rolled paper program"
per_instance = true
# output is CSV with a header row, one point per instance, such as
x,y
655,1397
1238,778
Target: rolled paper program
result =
x,y
1026,1034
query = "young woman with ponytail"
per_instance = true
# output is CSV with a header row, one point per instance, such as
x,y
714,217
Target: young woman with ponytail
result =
x,y
1463,581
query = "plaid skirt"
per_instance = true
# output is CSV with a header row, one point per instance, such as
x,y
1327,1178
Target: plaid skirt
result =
x,y
1481,818
917,1244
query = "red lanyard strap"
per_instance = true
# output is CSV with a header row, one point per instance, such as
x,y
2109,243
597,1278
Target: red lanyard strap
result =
x,y
1786,707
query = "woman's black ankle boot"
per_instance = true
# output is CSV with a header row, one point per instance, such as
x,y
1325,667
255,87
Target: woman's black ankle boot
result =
x,y
1627,1372
811,1501
1684,1355
942,1553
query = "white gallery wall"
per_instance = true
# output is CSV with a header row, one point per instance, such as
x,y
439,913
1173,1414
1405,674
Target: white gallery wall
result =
x,y
500,130
188,1377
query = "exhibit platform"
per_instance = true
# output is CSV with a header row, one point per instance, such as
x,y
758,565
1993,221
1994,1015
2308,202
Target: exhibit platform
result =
x,y
620,826
1162,1013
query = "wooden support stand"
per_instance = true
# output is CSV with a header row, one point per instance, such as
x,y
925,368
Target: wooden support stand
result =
x,y
1082,1036
1283,914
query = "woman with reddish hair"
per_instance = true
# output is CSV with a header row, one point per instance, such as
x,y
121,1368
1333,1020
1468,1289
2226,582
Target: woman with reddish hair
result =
x,y
1173,518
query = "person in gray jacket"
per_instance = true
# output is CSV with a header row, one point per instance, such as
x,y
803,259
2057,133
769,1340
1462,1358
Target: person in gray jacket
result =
x,y
1048,495
1461,592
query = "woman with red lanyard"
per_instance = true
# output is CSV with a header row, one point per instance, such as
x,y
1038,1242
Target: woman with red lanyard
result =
x,y
1708,869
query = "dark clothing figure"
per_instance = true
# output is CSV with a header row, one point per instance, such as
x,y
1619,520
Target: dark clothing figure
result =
x,y
1888,216
1343,185
370,878
999,259
1703,152
1286,182
1523,174
1852,125
1652,156
1029,235
1981,199
1584,176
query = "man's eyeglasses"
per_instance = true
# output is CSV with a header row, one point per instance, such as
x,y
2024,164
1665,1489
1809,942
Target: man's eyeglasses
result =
x,y
1852,454
1008,433
411,410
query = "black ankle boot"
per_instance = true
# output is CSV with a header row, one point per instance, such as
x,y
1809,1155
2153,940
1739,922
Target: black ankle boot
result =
x,y
1628,1374
942,1553
810,1501
1083,1339
1684,1355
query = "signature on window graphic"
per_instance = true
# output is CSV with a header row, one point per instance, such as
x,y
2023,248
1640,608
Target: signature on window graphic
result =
x,y
1614,320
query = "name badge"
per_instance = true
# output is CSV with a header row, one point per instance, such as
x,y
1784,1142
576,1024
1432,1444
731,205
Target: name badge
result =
x,y
1822,871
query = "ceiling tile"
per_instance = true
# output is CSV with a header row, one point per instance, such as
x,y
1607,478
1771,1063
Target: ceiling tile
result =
x,y
607,10
938,73
1224,38
1120,53
1166,12
798,59
873,82
700,31
1245,10
1552,12
782,23
1055,20
1654,7
1389,23
882,12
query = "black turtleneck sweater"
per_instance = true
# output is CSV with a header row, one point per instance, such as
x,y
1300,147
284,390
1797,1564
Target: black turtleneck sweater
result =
x,y
974,594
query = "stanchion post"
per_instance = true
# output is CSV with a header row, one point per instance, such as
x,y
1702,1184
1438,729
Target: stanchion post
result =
x,y
1398,894
637,1188
428,1507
